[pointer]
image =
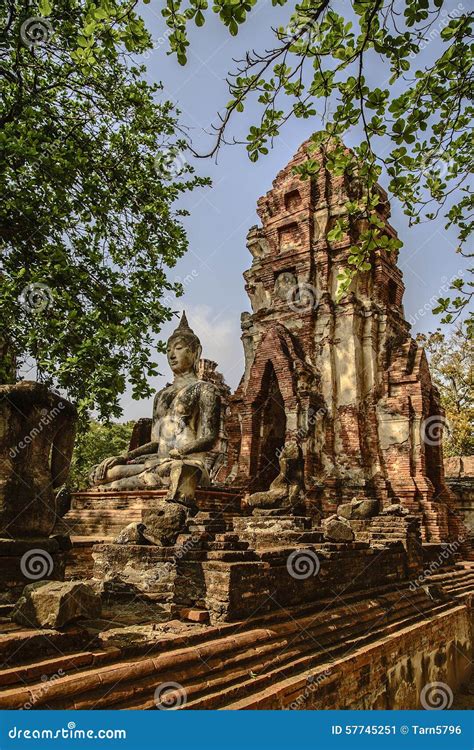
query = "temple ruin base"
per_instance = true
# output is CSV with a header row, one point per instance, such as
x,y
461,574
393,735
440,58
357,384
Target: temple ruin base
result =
x,y
374,650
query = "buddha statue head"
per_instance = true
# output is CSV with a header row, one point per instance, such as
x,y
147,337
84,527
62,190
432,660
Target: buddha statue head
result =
x,y
183,349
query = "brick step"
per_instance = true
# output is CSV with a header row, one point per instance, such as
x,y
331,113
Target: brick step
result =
x,y
213,545
329,633
447,577
47,668
456,585
210,527
331,626
263,697
234,684
18,645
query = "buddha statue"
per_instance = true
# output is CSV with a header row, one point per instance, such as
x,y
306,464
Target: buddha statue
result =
x,y
286,492
185,426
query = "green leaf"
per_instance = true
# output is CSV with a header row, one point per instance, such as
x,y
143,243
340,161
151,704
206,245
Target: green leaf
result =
x,y
45,8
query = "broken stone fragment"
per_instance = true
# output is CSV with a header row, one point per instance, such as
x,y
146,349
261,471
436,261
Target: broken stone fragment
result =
x,y
337,529
53,604
394,510
358,508
132,534
164,523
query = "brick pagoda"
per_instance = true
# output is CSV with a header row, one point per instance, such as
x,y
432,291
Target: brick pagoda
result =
x,y
345,378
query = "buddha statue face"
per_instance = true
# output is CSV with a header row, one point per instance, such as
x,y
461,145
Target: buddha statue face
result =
x,y
183,356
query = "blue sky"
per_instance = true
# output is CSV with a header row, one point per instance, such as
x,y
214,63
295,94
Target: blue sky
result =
x,y
221,215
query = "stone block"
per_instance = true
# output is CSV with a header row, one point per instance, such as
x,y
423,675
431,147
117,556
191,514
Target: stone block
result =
x,y
164,523
132,534
53,604
358,509
337,529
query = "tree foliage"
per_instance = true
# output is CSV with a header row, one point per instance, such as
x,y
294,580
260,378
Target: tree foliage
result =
x,y
91,167
96,442
451,364
364,63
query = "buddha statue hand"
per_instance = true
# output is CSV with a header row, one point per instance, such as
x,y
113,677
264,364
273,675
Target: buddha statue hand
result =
x,y
99,471
175,453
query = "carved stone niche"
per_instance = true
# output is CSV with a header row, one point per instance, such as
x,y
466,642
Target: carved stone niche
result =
x,y
292,200
285,284
256,243
288,237
37,429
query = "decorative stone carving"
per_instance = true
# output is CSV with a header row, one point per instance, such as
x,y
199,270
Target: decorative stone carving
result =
x,y
185,426
256,242
285,492
37,429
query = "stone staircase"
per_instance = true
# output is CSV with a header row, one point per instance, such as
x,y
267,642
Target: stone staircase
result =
x,y
239,665
104,514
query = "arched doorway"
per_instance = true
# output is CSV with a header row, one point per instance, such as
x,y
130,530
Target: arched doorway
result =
x,y
269,429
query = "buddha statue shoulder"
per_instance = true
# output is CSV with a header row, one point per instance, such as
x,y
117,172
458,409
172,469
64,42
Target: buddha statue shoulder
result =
x,y
185,427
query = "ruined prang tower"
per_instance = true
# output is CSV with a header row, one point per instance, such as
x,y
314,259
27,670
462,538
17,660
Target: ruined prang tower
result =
x,y
345,378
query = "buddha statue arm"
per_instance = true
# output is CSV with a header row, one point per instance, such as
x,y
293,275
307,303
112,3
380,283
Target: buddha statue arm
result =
x,y
209,421
142,450
99,472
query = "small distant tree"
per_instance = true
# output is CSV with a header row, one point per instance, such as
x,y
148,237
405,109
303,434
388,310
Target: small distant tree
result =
x,y
97,442
451,364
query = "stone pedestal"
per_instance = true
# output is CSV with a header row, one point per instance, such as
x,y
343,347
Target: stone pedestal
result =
x,y
234,568
103,514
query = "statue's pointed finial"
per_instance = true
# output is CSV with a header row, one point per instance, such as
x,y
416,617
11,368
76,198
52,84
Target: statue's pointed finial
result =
x,y
183,323
184,331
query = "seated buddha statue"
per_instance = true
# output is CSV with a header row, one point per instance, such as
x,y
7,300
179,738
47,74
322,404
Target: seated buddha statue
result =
x,y
185,426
